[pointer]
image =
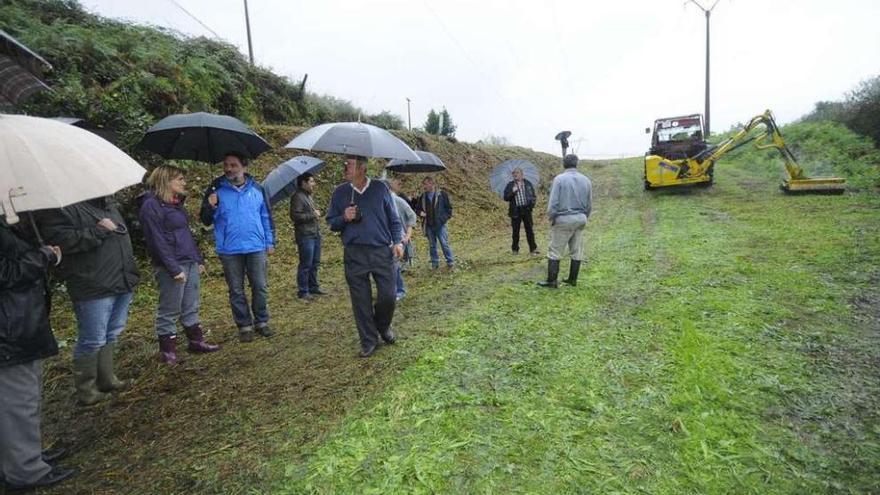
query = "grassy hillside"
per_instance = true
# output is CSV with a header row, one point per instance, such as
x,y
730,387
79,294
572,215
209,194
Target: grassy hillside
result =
x,y
123,77
722,341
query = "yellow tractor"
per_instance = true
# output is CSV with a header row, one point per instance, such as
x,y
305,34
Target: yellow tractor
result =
x,y
679,155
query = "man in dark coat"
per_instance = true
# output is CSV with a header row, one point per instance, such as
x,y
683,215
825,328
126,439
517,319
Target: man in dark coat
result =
x,y
100,273
520,196
25,340
435,209
305,217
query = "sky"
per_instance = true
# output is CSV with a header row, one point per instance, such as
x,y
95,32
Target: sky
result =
x,y
525,70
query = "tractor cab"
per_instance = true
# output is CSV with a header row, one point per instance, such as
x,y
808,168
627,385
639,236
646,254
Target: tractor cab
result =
x,y
678,137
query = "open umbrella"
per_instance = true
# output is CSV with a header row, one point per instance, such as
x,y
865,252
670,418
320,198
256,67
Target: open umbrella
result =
x,y
203,137
47,164
503,173
427,163
20,72
280,184
353,138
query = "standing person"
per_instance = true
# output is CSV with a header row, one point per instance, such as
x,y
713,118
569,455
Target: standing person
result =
x,y
435,209
177,262
25,340
408,219
570,204
363,212
100,273
244,236
307,233
520,196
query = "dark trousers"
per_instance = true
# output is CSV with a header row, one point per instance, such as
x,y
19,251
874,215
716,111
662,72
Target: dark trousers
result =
x,y
524,217
361,262
309,259
21,460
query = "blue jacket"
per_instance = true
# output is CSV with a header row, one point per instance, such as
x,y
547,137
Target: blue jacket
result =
x,y
166,231
242,219
379,225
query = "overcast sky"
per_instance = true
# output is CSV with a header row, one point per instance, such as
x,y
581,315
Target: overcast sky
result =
x,y
528,69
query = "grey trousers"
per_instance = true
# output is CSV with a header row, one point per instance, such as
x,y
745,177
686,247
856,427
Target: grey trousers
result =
x,y
21,450
360,263
177,300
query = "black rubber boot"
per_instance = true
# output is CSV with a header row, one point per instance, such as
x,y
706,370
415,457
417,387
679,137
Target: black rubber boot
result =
x,y
573,270
552,275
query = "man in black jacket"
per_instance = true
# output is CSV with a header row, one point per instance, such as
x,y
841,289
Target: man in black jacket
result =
x,y
100,273
25,339
435,209
520,196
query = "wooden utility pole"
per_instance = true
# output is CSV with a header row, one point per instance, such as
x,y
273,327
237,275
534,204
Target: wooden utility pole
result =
x,y
247,21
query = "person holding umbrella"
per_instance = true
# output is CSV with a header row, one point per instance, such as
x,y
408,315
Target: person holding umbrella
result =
x,y
307,233
244,235
25,340
363,212
435,209
177,262
520,196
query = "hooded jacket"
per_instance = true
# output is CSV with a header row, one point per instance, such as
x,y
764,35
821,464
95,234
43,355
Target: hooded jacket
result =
x,y
167,235
242,219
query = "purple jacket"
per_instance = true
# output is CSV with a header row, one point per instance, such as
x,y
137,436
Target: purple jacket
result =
x,y
166,230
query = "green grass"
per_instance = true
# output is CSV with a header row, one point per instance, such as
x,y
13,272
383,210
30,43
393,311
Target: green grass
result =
x,y
698,356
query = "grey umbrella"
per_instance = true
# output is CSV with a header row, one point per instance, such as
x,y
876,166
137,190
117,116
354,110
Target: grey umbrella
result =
x,y
203,137
353,138
20,72
280,184
427,163
502,174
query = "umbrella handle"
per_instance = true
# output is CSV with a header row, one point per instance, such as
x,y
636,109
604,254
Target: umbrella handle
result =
x,y
8,208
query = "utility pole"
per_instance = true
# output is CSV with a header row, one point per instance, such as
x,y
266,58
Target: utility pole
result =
x,y
247,21
408,116
708,13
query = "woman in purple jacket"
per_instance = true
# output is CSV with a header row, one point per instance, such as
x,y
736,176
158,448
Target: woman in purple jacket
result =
x,y
177,262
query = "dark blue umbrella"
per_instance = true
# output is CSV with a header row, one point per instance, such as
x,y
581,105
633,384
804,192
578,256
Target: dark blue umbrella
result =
x,y
203,137
427,163
280,184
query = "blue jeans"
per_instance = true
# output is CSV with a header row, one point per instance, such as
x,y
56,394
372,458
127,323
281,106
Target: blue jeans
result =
x,y
99,322
434,234
401,289
177,300
309,259
255,267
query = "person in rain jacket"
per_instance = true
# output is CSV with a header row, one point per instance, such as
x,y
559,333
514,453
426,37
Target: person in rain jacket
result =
x,y
244,236
177,262
25,340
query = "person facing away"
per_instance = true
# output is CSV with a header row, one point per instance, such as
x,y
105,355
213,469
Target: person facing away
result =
x,y
408,219
435,209
25,340
100,273
362,210
244,236
569,206
520,196
177,262
307,233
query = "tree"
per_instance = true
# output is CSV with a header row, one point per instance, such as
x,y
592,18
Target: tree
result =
x,y
493,140
386,120
440,123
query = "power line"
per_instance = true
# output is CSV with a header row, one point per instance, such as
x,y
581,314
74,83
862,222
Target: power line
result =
x,y
193,17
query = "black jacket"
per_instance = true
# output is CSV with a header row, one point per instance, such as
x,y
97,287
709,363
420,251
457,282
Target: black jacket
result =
x,y
510,197
302,214
25,334
438,212
95,262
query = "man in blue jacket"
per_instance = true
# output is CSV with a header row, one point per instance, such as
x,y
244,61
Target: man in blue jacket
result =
x,y
364,212
244,235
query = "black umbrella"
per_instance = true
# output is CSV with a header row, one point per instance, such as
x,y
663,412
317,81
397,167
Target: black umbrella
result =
x,y
20,72
427,163
203,137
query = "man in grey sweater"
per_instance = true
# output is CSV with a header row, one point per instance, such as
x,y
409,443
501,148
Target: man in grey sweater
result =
x,y
570,204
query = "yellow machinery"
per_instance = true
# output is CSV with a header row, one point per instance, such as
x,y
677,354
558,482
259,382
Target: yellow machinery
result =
x,y
680,157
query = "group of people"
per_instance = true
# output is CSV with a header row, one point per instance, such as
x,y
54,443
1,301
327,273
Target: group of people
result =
x,y
89,247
